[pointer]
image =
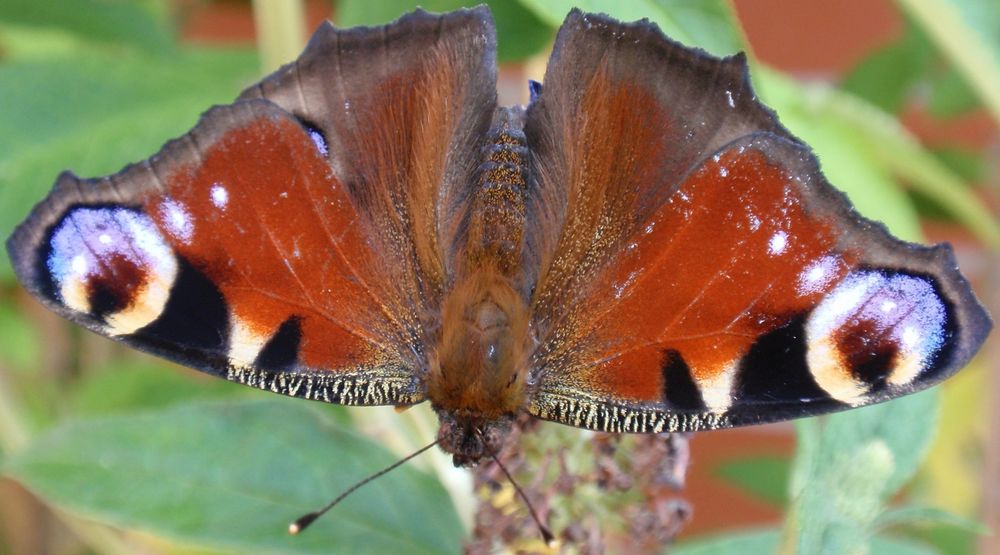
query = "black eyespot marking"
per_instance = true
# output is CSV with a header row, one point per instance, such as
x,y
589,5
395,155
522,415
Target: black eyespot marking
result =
x,y
115,288
775,371
868,353
281,352
195,316
679,389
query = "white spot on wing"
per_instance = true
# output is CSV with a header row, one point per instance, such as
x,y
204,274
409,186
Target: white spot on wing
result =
x,y
816,276
178,220
777,243
244,343
717,391
317,139
79,265
220,196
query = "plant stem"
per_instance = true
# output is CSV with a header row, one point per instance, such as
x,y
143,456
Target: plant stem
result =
x,y
280,31
13,430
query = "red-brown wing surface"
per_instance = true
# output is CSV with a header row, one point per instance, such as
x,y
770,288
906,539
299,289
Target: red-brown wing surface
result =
x,y
293,240
696,270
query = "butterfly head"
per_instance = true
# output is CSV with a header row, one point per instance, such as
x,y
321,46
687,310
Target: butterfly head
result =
x,y
470,437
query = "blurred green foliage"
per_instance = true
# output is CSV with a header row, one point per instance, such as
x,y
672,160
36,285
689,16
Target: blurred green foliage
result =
x,y
223,474
129,443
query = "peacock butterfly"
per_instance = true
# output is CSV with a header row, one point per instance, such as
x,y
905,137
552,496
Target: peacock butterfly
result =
x,y
643,248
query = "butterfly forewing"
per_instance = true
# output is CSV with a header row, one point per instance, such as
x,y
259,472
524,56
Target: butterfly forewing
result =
x,y
293,240
716,280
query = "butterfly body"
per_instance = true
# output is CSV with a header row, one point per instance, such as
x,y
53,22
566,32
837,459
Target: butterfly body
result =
x,y
478,372
643,248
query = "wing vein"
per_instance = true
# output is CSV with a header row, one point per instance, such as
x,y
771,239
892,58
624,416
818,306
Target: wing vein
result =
x,y
347,263
305,290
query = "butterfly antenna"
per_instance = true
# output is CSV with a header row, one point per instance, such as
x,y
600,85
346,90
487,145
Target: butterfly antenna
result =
x,y
544,530
302,522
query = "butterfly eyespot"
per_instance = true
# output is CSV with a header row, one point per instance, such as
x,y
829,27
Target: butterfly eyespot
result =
x,y
113,264
872,330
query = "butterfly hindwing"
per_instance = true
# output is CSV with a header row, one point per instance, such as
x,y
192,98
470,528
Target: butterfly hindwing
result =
x,y
281,244
717,284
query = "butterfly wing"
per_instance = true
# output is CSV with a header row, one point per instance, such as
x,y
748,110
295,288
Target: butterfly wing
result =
x,y
290,241
696,269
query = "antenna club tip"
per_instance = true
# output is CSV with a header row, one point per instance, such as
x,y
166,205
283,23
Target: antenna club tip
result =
x,y
547,536
299,525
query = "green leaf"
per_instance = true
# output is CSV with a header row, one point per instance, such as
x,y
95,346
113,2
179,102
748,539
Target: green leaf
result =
x,y
832,514
520,33
909,67
906,425
764,477
929,516
899,546
232,475
708,24
950,95
132,23
862,149
95,113
887,75
21,345
843,481
741,543
808,432
968,33
144,384
967,164
358,12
